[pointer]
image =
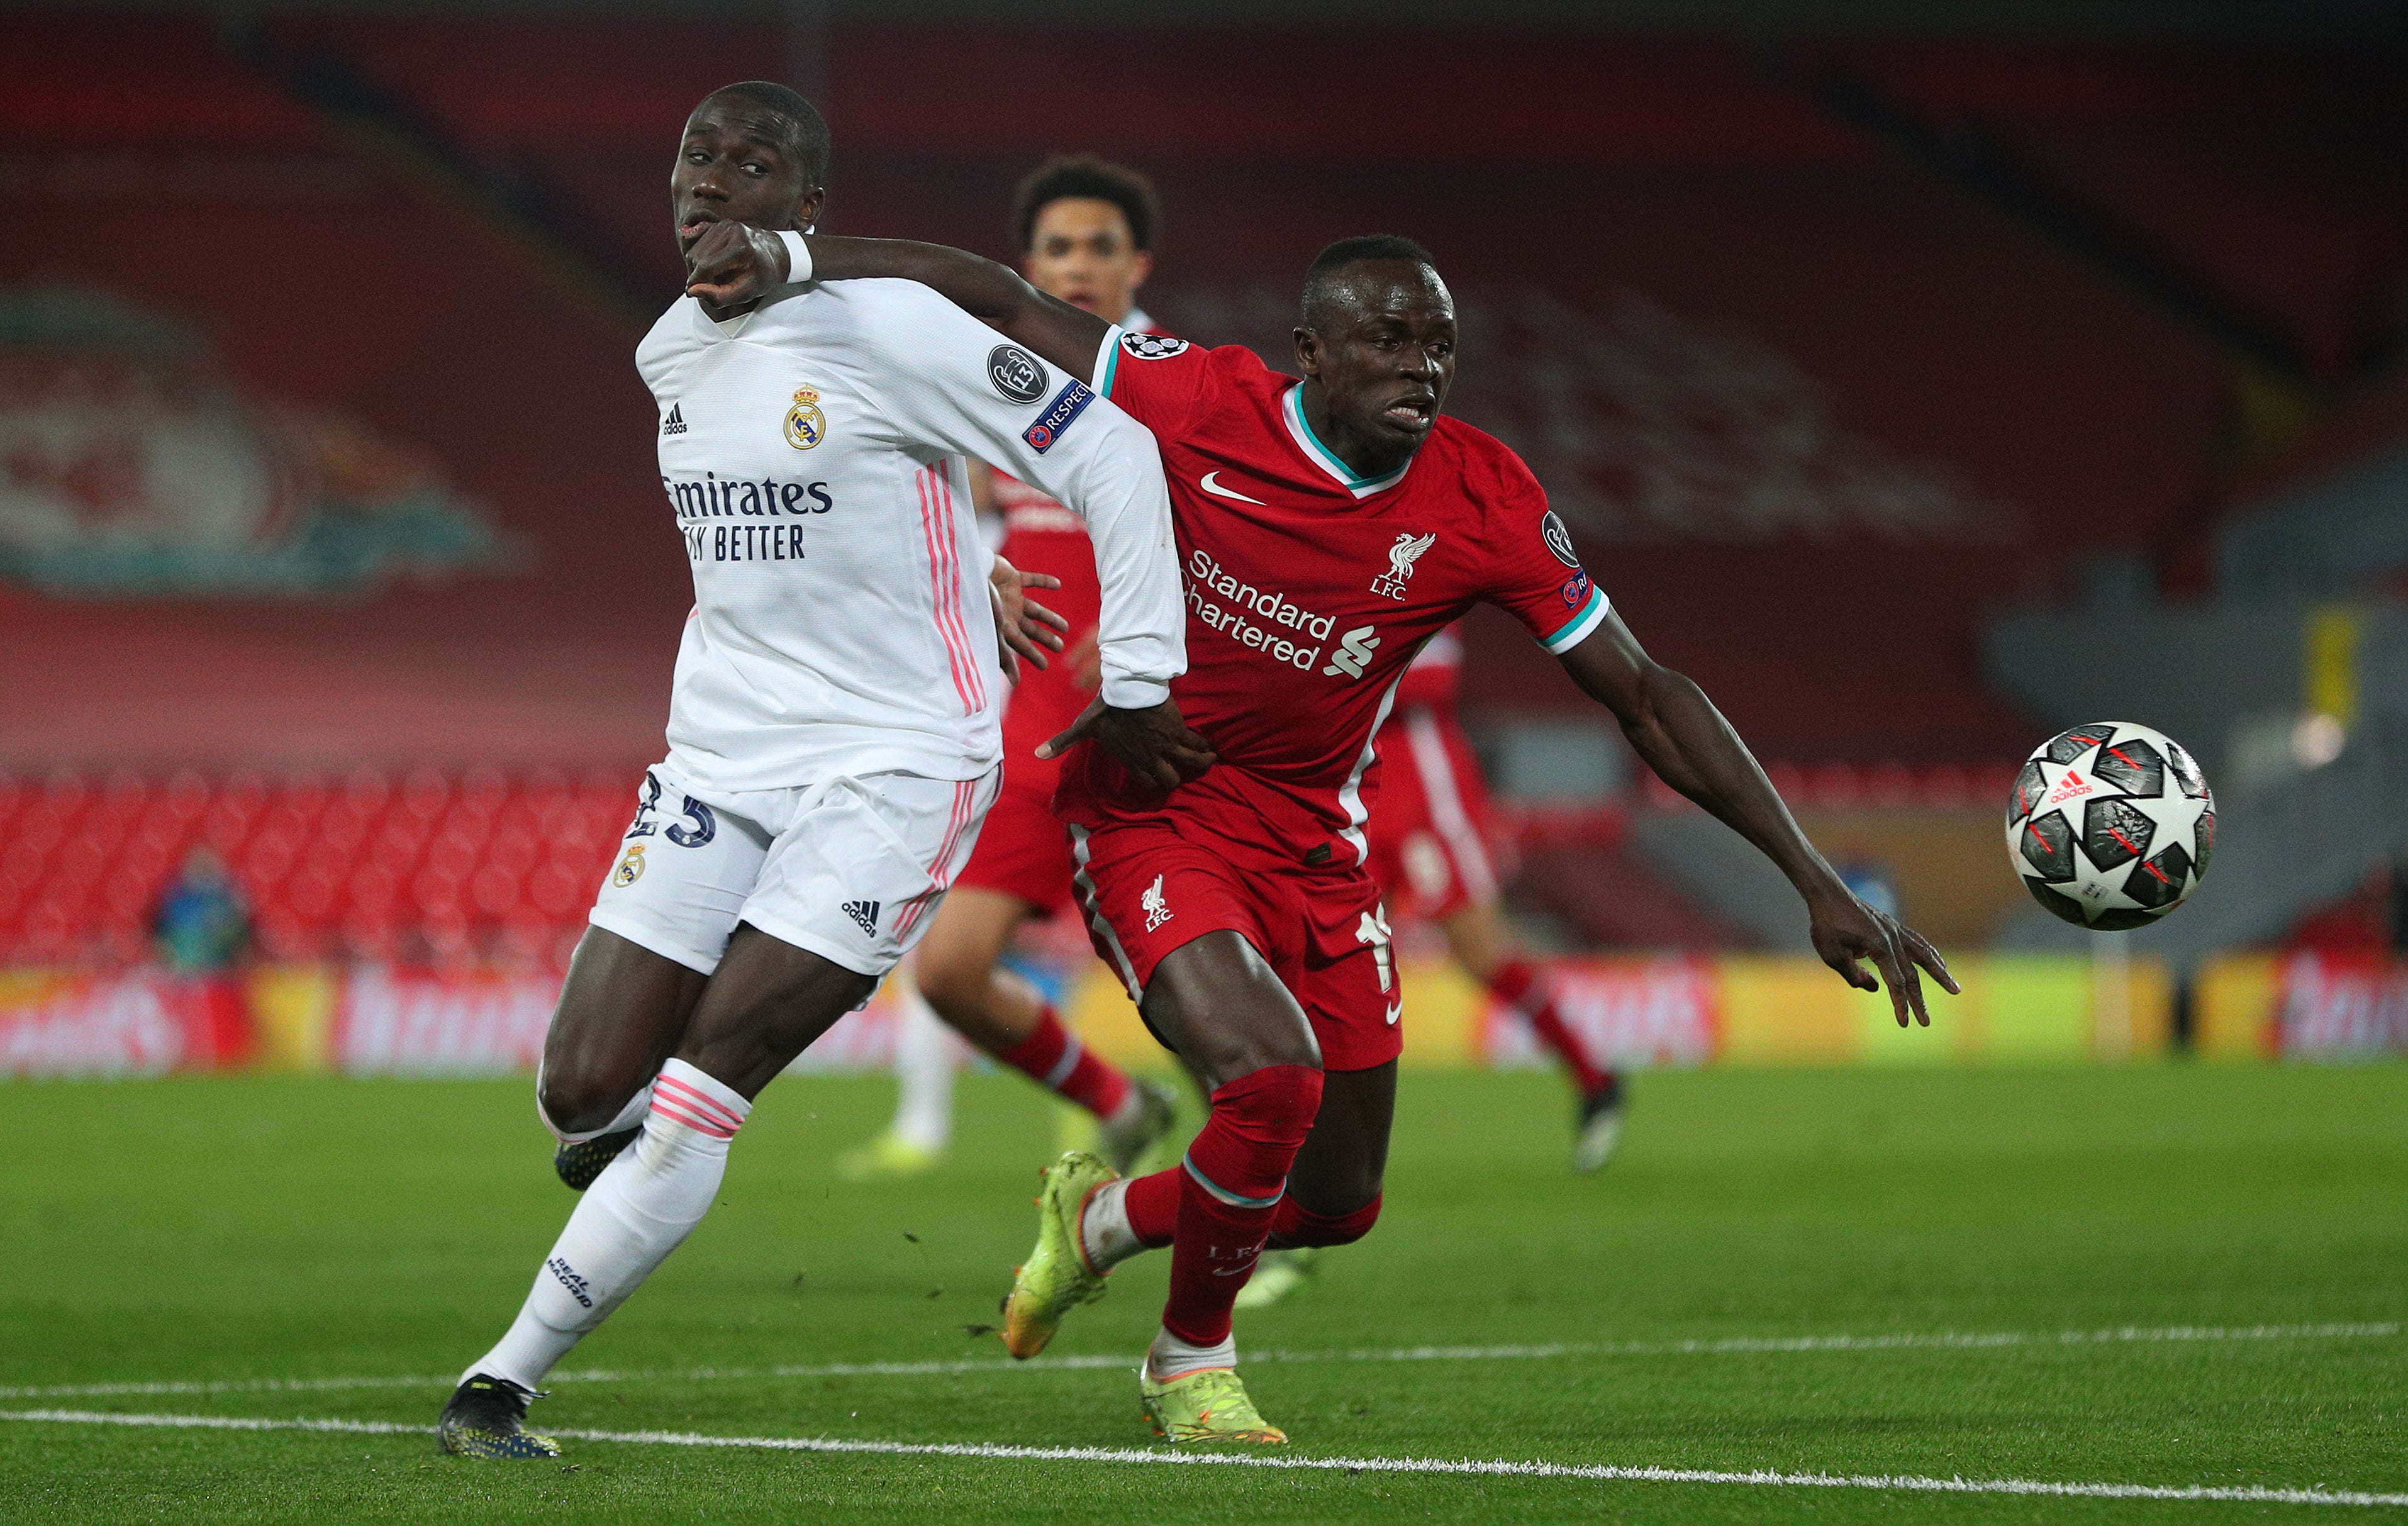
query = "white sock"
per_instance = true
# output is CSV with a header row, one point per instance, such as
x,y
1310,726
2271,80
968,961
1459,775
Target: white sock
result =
x,y
1170,1357
926,1053
1130,1106
1104,1231
629,1115
638,1210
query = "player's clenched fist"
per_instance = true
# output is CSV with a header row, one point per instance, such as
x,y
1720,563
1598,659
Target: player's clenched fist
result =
x,y
1155,743
732,263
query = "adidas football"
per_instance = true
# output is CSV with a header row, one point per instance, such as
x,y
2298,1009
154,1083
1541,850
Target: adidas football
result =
x,y
2111,825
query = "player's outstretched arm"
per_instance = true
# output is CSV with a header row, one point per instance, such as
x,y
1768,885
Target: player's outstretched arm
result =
x,y
1676,728
733,264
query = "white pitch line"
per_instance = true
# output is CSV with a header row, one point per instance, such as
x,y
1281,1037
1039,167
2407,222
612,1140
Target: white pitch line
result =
x,y
1735,1346
1498,1467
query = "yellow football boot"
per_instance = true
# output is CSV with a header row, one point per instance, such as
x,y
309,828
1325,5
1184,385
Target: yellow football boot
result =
x,y
1208,1405
1056,1278
884,1159
1278,1273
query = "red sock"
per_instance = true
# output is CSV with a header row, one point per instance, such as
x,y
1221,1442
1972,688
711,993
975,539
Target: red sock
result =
x,y
1294,1225
1151,1203
1229,1183
1518,985
1053,1058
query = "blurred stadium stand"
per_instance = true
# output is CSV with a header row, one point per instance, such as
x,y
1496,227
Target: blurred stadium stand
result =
x,y
422,865
1834,344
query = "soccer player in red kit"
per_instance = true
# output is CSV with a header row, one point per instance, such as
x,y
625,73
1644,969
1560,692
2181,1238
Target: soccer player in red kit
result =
x,y
1086,228
1327,527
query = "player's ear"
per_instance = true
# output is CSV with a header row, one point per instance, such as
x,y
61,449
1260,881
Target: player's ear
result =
x,y
1140,266
1308,352
807,210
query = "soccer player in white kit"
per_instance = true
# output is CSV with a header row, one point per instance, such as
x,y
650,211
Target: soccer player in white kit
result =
x,y
834,730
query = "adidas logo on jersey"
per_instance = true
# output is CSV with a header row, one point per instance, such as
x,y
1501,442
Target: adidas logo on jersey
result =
x,y
1354,652
864,913
675,422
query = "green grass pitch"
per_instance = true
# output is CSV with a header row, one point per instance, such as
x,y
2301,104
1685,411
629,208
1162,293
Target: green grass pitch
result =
x,y
194,1231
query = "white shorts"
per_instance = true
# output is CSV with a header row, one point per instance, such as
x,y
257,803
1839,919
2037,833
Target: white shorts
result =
x,y
849,868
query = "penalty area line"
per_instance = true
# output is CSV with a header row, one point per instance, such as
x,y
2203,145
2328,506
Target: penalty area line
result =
x,y
1734,1345
1497,1467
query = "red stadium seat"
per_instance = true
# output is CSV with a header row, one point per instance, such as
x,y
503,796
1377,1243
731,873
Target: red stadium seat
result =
x,y
495,892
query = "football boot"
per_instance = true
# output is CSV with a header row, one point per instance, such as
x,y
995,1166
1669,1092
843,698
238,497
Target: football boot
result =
x,y
1207,1406
581,1162
1055,1278
1278,1273
1596,1127
487,1417
1123,1144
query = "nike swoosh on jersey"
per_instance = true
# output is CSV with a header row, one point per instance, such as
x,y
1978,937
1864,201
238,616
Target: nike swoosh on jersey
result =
x,y
1395,1012
1207,484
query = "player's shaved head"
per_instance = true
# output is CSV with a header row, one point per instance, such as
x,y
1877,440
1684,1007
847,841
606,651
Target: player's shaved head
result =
x,y
1343,276
794,125
1377,348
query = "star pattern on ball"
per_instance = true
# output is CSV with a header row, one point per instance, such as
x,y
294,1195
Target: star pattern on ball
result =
x,y
2110,825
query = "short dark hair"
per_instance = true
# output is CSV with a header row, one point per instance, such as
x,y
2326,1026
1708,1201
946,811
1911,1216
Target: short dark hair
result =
x,y
1321,277
806,134
1087,176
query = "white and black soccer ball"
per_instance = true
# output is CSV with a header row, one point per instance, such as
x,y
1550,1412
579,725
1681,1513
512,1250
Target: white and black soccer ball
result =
x,y
2111,825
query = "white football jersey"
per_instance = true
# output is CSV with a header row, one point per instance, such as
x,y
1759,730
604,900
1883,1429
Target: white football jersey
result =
x,y
811,450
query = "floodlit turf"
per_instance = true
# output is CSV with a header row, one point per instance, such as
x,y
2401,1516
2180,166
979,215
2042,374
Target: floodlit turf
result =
x,y
229,1230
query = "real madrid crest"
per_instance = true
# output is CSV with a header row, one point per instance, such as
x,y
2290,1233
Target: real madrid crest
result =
x,y
806,425
631,867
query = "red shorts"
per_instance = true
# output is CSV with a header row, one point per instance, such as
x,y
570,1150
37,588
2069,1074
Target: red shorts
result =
x,y
1149,887
1429,826
1023,851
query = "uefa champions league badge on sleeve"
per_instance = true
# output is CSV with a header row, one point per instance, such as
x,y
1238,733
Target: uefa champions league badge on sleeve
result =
x,y
1150,346
2110,825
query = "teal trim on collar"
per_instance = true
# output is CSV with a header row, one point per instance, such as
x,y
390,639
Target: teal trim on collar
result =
x,y
1111,362
1292,409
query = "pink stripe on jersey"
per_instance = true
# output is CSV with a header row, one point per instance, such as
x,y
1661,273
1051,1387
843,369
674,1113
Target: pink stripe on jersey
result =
x,y
936,587
944,576
948,522
676,1099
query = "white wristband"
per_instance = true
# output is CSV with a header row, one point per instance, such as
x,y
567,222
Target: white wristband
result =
x,y
798,257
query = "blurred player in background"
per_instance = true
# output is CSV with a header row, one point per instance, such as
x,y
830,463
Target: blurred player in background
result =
x,y
1086,228
1429,833
1429,837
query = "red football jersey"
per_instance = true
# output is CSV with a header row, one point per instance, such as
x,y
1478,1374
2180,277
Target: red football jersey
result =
x,y
1310,589
1041,535
1435,676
